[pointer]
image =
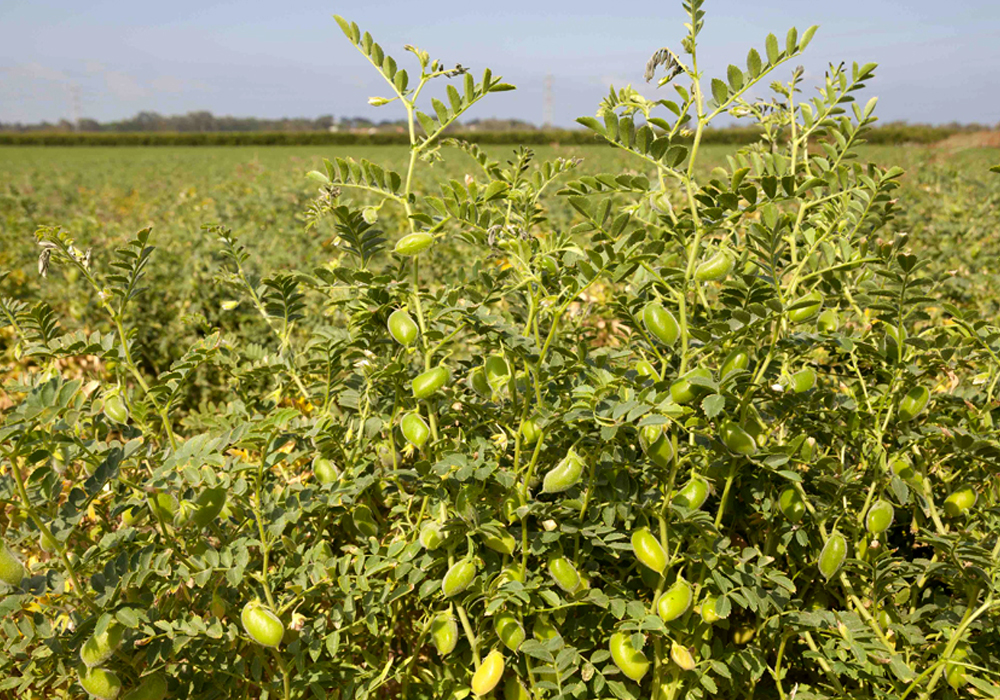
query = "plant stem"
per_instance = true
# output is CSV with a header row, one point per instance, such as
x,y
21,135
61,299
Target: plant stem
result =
x,y
967,619
285,676
258,510
824,664
47,533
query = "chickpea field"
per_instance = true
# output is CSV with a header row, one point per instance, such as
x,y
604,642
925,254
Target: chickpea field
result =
x,y
104,195
647,418
949,203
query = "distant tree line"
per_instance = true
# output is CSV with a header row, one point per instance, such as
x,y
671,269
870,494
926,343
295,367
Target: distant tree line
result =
x,y
192,122
205,129
206,122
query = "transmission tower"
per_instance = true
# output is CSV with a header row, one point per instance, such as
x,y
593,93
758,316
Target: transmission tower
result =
x,y
548,104
74,94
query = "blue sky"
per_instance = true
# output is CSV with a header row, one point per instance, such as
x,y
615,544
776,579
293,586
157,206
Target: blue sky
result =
x,y
939,61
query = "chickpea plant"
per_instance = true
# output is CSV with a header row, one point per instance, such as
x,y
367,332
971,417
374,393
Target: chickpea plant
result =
x,y
714,437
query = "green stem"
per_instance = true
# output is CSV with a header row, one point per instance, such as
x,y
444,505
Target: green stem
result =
x,y
938,667
258,509
824,664
408,673
289,359
116,317
47,533
725,497
866,616
285,676
160,410
469,634
777,666
929,498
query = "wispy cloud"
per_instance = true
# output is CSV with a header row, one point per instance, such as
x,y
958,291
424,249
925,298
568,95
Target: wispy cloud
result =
x,y
123,86
170,84
26,83
34,72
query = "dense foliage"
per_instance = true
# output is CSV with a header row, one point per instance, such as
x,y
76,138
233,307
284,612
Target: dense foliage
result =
x,y
673,432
